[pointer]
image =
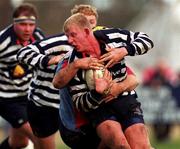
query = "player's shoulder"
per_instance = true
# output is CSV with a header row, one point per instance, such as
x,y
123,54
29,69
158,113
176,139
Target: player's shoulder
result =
x,y
52,40
38,33
5,33
104,33
111,33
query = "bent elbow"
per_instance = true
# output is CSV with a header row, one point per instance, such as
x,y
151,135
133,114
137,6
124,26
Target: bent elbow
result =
x,y
55,84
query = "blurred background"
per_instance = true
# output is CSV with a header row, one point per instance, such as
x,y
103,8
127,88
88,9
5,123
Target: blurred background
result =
x,y
158,70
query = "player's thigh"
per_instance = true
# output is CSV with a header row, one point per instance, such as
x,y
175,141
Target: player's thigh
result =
x,y
110,131
44,120
25,130
18,138
47,142
15,112
83,137
137,135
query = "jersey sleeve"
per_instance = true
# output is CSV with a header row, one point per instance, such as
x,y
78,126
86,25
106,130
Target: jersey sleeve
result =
x,y
136,43
39,53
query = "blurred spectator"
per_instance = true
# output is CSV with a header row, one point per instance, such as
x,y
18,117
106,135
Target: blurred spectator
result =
x,y
160,80
176,90
160,73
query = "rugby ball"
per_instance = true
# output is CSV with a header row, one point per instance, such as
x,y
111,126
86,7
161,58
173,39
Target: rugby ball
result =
x,y
89,77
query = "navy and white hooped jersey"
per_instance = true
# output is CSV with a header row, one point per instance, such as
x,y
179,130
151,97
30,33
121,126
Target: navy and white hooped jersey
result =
x,y
12,87
37,55
136,44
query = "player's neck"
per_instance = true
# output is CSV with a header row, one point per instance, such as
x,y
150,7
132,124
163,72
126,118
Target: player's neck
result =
x,y
24,43
95,48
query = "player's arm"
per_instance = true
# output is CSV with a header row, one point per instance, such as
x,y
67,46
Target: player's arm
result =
x,y
37,54
69,70
135,43
129,84
86,100
31,55
64,73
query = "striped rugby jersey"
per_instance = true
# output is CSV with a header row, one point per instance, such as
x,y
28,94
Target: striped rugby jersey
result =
x,y
136,43
10,87
37,55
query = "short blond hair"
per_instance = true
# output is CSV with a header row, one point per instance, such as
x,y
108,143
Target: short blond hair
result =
x,y
76,19
85,9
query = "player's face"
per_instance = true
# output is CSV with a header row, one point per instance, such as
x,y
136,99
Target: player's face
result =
x,y
24,30
92,20
78,38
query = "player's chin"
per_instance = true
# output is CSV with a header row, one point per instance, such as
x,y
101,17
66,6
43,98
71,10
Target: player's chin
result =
x,y
26,37
79,49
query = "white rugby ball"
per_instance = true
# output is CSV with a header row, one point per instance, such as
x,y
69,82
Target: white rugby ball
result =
x,y
89,77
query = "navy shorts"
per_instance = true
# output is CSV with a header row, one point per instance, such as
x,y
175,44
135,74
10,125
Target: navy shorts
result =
x,y
126,110
14,111
44,120
84,138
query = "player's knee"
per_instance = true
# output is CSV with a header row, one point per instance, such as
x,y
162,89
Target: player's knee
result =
x,y
146,146
118,143
20,143
122,146
142,145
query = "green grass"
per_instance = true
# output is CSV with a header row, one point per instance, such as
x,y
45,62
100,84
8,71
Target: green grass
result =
x,y
62,146
171,144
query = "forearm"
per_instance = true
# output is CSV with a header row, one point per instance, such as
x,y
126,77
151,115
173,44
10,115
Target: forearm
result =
x,y
129,84
87,101
64,75
30,56
140,44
